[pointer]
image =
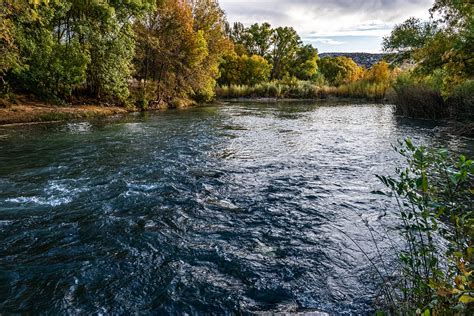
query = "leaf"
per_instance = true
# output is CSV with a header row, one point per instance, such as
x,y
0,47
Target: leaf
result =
x,y
444,292
466,299
409,144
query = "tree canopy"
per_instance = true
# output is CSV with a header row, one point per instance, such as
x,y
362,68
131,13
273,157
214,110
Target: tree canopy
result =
x,y
444,45
281,49
63,48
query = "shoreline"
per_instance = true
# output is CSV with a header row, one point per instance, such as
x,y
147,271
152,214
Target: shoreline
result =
x,y
38,113
296,100
32,112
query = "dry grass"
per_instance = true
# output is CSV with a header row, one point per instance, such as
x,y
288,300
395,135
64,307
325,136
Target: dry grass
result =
x,y
28,111
304,90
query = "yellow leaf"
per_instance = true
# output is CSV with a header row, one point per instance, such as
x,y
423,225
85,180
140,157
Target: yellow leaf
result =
x,y
466,299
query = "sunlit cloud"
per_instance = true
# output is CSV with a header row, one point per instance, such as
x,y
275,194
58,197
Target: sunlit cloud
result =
x,y
327,19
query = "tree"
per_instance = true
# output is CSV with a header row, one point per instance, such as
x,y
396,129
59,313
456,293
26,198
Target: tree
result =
x,y
64,46
255,70
53,61
235,32
170,53
209,20
285,42
442,46
340,70
379,73
9,53
230,69
305,64
408,36
244,70
257,39
457,26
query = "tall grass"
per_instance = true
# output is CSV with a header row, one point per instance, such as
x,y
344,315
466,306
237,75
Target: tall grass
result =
x,y
304,90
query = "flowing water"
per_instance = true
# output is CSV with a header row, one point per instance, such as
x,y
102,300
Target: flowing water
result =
x,y
231,208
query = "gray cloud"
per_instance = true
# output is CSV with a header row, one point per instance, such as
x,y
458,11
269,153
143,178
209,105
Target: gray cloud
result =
x,y
335,15
330,24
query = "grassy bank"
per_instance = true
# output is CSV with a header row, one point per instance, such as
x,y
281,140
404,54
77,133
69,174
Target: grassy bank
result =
x,y
304,90
28,111
422,100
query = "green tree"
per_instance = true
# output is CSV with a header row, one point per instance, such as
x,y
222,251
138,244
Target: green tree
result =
x,y
256,69
66,45
285,42
408,37
53,62
209,20
305,64
247,70
258,39
230,70
9,53
442,45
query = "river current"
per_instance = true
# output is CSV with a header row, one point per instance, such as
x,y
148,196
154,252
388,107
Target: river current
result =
x,y
219,209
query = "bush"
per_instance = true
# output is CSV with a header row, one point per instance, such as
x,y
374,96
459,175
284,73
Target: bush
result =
x,y
435,196
417,99
461,104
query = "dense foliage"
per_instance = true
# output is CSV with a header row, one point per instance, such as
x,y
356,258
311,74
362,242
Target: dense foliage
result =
x,y
63,48
159,52
279,49
59,47
168,52
267,62
435,197
442,50
340,70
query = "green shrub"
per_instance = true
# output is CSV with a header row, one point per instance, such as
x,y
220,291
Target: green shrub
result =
x,y
435,198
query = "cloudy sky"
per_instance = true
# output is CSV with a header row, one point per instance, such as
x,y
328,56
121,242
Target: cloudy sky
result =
x,y
330,25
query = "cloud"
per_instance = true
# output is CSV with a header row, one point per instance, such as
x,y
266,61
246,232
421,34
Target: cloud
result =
x,y
327,41
326,19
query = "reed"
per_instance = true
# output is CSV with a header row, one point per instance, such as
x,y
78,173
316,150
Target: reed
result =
x,y
304,90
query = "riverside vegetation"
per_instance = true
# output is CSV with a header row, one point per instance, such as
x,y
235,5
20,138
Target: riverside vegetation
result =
x,y
155,53
149,54
434,274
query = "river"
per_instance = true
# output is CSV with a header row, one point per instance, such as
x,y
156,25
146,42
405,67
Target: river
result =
x,y
229,208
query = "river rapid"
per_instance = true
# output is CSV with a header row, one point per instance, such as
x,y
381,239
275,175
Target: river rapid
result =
x,y
228,208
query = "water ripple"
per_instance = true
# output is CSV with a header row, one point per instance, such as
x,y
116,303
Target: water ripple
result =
x,y
241,208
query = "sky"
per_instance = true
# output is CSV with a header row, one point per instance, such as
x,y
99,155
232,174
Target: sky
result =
x,y
331,26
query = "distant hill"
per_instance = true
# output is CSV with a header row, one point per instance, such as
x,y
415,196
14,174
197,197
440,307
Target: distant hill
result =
x,y
363,59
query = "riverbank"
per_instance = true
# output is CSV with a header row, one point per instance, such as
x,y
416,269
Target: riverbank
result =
x,y
306,90
30,111
26,110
